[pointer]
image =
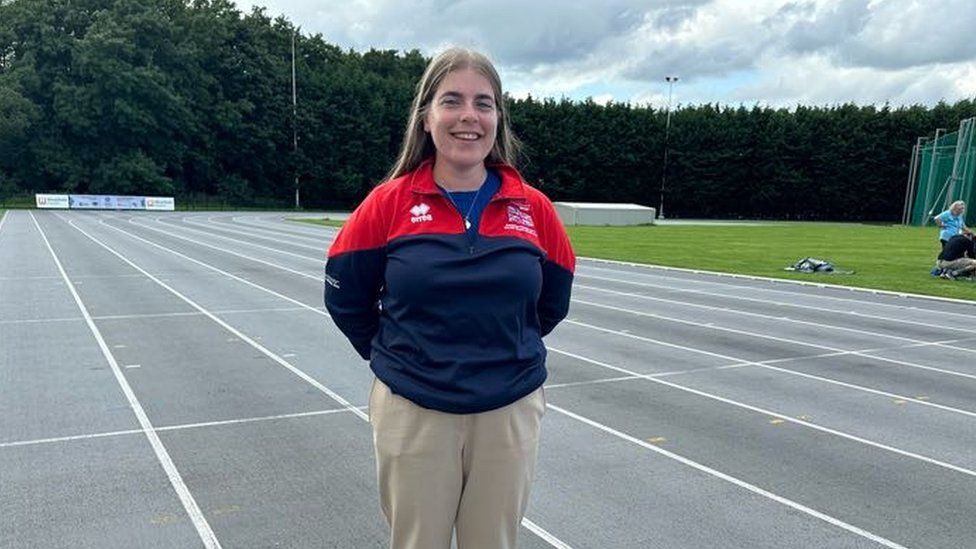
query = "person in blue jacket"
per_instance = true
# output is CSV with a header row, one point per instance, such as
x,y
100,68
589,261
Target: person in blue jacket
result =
x,y
446,278
951,222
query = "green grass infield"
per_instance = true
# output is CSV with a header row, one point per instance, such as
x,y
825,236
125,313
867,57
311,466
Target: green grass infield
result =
x,y
883,257
326,222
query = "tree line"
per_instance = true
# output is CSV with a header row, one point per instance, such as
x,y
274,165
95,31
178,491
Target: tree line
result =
x,y
192,98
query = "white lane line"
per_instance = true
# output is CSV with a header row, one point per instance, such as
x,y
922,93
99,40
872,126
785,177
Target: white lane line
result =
x,y
282,229
709,326
3,219
730,479
588,383
734,365
525,521
225,250
41,320
650,267
197,313
320,260
545,535
722,399
784,417
173,427
769,302
783,370
712,326
213,234
133,366
240,335
940,327
186,498
700,351
257,233
734,361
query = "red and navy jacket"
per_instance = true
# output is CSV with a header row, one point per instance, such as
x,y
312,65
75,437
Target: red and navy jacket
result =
x,y
451,320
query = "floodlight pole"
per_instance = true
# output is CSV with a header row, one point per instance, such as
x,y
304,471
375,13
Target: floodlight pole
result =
x,y
667,138
294,118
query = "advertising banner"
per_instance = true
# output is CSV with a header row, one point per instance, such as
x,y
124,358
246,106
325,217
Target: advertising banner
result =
x,y
160,203
59,201
105,202
130,202
91,202
113,202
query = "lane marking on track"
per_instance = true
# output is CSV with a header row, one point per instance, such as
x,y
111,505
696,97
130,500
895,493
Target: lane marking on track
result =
x,y
42,320
711,326
805,421
787,304
838,433
257,232
730,479
225,250
775,368
179,427
773,338
736,362
775,317
203,528
156,315
535,528
184,227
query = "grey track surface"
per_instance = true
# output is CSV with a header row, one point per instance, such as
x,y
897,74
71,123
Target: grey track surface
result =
x,y
685,410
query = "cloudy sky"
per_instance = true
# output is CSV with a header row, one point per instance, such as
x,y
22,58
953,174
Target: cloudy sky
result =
x,y
767,52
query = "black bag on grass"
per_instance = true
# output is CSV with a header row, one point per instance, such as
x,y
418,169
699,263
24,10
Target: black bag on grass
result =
x,y
812,265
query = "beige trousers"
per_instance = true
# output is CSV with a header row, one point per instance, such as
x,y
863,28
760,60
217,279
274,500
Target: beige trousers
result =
x,y
439,472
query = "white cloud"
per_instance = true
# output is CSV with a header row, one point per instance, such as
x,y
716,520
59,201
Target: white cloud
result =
x,y
727,51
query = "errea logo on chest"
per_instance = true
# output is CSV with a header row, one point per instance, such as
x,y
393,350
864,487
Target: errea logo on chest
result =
x,y
420,213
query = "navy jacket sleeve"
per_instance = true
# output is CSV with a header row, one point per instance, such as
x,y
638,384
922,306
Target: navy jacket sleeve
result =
x,y
557,270
354,274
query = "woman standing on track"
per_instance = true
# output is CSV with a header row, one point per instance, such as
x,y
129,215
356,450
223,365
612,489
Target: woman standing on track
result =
x,y
446,278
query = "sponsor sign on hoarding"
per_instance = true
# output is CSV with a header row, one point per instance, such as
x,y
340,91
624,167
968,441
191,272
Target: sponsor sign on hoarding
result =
x,y
51,201
91,202
105,202
165,203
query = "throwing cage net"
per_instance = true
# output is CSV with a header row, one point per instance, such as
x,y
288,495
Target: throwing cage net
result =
x,y
943,170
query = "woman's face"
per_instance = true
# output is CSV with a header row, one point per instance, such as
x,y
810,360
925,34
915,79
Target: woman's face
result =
x,y
958,209
462,119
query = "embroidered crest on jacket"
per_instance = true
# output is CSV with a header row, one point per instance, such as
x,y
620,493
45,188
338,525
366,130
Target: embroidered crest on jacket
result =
x,y
520,219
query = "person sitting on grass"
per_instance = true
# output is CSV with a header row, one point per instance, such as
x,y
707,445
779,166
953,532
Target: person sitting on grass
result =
x,y
958,257
952,222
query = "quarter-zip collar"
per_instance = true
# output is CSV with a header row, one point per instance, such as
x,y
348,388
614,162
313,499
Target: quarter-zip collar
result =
x,y
512,187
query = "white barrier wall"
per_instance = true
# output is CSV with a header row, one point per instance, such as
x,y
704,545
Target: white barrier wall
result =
x,y
588,213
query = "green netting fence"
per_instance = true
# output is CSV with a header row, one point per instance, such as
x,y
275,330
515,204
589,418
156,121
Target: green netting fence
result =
x,y
943,170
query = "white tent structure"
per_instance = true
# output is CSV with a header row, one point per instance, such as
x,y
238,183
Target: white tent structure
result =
x,y
592,213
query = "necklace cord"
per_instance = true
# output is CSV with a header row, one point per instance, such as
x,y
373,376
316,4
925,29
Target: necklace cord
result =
x,y
467,217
